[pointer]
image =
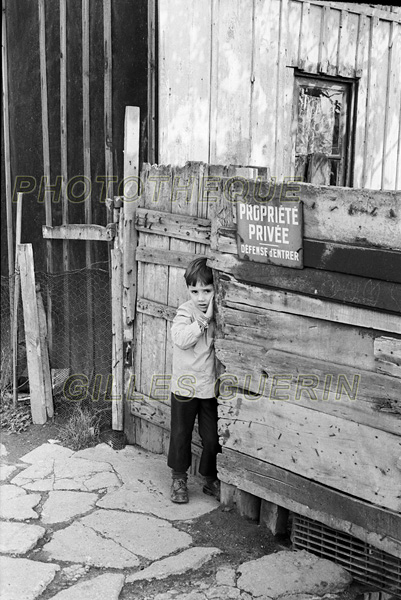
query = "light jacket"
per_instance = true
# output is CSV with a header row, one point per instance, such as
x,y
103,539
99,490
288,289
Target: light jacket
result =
x,y
193,354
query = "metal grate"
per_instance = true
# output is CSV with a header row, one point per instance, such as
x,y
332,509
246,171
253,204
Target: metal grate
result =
x,y
365,563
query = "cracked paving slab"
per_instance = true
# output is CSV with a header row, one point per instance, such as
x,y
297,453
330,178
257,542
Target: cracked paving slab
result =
x,y
188,560
17,504
47,452
115,539
67,474
146,484
103,587
19,538
79,544
23,579
288,573
62,506
6,471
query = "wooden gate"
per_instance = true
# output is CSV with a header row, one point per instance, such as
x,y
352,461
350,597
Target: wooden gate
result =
x,y
174,224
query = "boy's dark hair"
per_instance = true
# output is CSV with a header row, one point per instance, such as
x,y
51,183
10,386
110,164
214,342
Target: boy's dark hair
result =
x,y
198,270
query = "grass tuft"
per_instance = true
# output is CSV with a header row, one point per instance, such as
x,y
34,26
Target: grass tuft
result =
x,y
81,430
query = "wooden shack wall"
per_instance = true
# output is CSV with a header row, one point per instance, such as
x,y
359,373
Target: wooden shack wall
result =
x,y
226,81
310,415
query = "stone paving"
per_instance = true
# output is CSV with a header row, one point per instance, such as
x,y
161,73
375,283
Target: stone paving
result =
x,y
99,525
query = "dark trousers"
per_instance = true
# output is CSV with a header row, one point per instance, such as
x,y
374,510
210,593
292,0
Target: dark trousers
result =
x,y
183,414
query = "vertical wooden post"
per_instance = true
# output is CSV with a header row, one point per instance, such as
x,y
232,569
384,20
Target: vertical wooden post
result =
x,y
152,81
274,517
117,338
248,505
64,163
7,158
108,96
32,334
46,152
14,330
131,194
87,171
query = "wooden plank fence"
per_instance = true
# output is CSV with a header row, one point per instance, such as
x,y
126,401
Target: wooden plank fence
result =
x,y
309,358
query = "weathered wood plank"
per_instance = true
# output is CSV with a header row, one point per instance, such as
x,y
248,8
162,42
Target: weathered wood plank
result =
x,y
361,70
44,349
156,256
368,522
265,41
233,28
378,104
77,232
362,9
339,214
183,227
117,339
324,284
184,90
341,454
391,139
387,352
256,299
130,237
373,263
364,397
32,334
155,309
154,282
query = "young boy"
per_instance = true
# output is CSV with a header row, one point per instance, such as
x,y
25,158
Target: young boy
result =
x,y
193,384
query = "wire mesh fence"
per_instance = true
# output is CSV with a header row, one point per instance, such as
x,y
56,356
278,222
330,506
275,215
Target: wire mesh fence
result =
x,y
78,311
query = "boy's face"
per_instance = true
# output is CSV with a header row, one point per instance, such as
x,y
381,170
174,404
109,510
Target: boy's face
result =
x,y
201,295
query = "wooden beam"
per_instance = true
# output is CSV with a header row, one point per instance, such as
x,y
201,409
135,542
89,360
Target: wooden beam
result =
x,y
359,8
156,309
16,297
117,340
78,232
314,384
152,83
372,293
32,334
182,227
371,218
373,263
7,156
387,352
108,94
370,523
237,296
354,458
130,236
159,256
46,152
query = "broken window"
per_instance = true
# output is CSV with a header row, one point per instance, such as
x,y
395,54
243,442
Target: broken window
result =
x,y
323,140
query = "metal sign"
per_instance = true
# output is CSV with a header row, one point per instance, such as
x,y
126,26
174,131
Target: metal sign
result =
x,y
271,232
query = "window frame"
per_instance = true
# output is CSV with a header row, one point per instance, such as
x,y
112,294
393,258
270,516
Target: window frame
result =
x,y
349,89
